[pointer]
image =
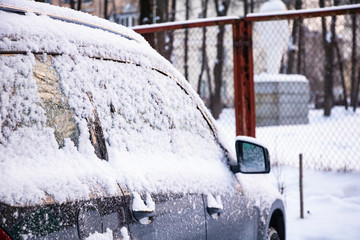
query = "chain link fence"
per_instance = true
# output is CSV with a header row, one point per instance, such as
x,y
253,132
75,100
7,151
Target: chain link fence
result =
x,y
306,86
304,69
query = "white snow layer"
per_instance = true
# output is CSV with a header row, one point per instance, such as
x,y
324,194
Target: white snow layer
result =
x,y
108,235
276,77
272,6
156,138
271,39
331,203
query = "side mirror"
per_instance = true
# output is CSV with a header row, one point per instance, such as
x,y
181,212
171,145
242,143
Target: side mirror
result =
x,y
252,156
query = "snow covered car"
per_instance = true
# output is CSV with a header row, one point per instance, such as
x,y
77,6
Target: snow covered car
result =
x,y
101,138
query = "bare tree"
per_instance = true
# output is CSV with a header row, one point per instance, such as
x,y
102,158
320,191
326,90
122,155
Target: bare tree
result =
x,y
246,7
146,10
354,62
216,108
170,34
204,59
72,4
329,46
186,40
161,15
79,5
106,16
341,68
290,69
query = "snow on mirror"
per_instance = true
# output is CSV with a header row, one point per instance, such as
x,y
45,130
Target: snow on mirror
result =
x,y
252,157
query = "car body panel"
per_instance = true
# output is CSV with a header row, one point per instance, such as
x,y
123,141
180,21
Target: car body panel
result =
x,y
177,216
64,221
238,214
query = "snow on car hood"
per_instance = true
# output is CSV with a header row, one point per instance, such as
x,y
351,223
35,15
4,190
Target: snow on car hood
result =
x,y
171,148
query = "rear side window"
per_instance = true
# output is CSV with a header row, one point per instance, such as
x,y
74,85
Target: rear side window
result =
x,y
139,108
152,128
58,114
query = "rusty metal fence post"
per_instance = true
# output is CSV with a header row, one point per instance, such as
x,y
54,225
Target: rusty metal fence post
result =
x,y
243,79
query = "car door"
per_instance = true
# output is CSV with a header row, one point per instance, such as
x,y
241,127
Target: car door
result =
x,y
235,218
164,212
175,216
146,134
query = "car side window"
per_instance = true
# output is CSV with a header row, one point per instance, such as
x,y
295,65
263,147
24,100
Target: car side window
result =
x,y
58,114
135,105
151,128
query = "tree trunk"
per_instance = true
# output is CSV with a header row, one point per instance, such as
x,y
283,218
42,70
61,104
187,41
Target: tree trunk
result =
x,y
170,34
219,62
353,90
186,41
161,16
146,7
341,68
290,69
72,4
79,5
106,9
205,64
301,50
246,7
203,47
329,56
217,106
252,6
357,91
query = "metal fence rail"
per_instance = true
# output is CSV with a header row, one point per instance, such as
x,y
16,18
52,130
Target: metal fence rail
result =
x,y
288,59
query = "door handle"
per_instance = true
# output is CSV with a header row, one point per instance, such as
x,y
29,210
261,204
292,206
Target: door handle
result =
x,y
214,210
214,206
143,214
143,211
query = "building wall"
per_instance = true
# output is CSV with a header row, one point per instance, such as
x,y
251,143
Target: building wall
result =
x,y
125,12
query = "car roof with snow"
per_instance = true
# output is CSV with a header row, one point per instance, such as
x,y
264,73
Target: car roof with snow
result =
x,y
87,105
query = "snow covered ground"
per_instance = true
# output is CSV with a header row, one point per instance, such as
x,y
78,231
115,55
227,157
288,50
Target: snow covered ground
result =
x,y
327,143
331,203
331,198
